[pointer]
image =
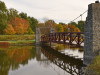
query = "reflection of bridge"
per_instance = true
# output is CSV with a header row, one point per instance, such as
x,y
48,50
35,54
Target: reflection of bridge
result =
x,y
64,37
69,64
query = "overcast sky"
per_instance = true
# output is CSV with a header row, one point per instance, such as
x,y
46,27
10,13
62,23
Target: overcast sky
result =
x,y
58,10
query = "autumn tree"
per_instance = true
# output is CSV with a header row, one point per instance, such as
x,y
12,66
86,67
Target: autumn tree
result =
x,y
3,16
79,25
59,28
30,31
40,25
50,23
73,28
20,25
65,27
62,23
9,30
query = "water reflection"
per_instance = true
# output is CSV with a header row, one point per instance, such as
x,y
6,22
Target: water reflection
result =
x,y
12,57
71,50
69,64
24,60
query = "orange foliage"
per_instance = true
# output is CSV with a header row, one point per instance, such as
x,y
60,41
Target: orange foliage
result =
x,y
9,30
59,28
65,27
73,28
20,25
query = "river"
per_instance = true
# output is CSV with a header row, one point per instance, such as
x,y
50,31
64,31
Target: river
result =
x,y
36,60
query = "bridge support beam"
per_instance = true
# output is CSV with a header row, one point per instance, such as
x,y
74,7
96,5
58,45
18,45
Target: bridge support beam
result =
x,y
37,38
92,33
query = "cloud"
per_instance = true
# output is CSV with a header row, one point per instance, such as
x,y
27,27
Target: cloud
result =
x,y
59,10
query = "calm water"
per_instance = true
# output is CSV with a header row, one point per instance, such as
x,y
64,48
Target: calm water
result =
x,y
31,60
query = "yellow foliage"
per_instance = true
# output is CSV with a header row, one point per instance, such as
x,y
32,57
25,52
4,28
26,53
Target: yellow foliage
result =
x,y
9,30
59,28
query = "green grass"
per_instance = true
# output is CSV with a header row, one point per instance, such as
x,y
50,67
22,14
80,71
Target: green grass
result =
x,y
16,37
24,42
95,66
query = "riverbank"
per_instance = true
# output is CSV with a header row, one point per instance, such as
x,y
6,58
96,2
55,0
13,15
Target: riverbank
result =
x,y
21,42
16,37
94,68
17,40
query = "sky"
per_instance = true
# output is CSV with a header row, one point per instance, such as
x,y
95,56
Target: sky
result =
x,y
57,10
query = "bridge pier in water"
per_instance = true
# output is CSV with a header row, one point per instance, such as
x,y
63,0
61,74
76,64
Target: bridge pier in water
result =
x,y
92,33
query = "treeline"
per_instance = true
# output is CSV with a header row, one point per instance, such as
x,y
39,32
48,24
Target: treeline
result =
x,y
79,25
62,27
12,22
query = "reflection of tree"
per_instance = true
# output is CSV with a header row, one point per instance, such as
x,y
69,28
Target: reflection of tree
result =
x,y
18,56
33,52
4,63
13,56
59,47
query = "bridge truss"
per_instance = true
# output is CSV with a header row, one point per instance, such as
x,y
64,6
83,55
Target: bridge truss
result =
x,y
64,38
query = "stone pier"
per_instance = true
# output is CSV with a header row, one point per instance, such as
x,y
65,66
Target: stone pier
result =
x,y
92,33
37,36
41,31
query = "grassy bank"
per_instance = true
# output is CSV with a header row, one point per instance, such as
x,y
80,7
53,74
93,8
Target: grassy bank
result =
x,y
94,68
16,37
26,42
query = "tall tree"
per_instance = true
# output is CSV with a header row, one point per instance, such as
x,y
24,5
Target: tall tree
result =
x,y
3,16
73,28
50,23
23,15
73,23
30,31
81,25
65,27
12,13
59,28
33,22
40,25
62,23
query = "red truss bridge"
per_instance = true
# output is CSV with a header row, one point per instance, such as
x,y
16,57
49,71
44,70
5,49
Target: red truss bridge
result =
x,y
76,38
